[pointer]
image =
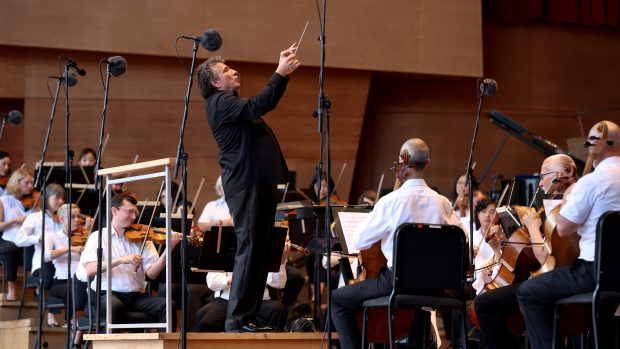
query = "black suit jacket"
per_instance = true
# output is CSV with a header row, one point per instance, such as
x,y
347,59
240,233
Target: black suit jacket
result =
x,y
249,150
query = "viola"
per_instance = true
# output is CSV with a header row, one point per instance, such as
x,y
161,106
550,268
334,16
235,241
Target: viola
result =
x,y
138,233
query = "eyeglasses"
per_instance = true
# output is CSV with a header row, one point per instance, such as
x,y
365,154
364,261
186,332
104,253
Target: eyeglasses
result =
x,y
542,175
130,211
587,144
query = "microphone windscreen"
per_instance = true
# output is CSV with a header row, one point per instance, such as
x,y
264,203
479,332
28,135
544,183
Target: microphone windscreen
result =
x,y
489,87
80,71
118,65
15,117
70,79
211,40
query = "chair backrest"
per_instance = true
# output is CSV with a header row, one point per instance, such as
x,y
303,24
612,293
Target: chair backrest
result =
x,y
429,258
607,255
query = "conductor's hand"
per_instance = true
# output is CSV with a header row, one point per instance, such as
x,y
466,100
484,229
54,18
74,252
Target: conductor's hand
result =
x,y
133,259
288,61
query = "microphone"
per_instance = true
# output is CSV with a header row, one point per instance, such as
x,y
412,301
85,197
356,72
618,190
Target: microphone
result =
x,y
71,63
488,87
15,117
70,79
117,65
211,40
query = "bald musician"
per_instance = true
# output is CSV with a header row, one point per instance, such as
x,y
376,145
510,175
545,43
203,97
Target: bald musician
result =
x,y
585,202
493,307
414,201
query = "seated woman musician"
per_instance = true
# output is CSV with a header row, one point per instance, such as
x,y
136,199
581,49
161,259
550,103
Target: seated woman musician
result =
x,y
494,307
320,193
15,205
57,250
30,235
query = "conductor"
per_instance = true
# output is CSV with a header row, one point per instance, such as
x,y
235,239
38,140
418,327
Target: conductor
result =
x,y
252,165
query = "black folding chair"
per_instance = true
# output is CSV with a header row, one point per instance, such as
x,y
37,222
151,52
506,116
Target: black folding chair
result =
x,y
607,290
428,259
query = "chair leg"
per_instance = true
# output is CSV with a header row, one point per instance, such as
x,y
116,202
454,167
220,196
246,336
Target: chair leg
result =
x,y
556,318
391,326
595,333
21,304
364,325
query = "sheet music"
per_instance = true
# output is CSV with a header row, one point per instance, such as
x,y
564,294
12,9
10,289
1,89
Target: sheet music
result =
x,y
349,222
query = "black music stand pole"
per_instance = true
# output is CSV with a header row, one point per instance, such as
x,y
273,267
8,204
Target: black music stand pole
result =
x,y
181,160
68,165
99,188
323,109
40,180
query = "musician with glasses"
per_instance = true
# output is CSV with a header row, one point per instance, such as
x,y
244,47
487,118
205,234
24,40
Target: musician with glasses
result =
x,y
585,202
494,308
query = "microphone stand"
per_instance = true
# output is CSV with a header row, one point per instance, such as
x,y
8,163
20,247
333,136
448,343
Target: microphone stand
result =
x,y
99,188
68,180
323,109
181,160
41,180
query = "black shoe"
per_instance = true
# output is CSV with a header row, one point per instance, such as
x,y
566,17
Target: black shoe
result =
x,y
251,327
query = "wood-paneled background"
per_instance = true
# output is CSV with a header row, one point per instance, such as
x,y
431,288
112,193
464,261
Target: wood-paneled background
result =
x,y
394,70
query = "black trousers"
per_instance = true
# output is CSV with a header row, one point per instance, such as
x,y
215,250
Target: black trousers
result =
x,y
493,308
154,307
9,254
294,283
48,274
58,294
253,210
537,297
210,318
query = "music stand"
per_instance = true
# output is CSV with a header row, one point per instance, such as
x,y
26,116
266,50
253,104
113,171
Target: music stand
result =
x,y
347,219
219,247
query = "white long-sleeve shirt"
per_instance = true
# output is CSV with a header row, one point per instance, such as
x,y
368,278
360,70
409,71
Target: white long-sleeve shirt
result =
x,y
30,233
413,202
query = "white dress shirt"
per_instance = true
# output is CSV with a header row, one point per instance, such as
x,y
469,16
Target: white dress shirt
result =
x,y
485,265
30,233
593,195
413,202
56,241
125,278
13,208
214,212
219,282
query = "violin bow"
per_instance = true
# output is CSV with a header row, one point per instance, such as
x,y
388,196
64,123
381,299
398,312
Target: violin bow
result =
x,y
148,229
379,187
202,181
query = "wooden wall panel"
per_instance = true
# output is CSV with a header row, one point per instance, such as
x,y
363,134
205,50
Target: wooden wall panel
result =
x,y
422,36
547,76
146,106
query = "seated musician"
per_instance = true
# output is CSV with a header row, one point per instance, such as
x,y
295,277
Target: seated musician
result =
x,y
56,250
585,202
129,265
30,235
414,201
493,307
271,314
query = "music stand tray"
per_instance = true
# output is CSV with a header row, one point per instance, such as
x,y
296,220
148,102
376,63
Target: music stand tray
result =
x,y
219,247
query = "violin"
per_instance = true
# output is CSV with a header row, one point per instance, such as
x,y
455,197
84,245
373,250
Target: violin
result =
x,y
333,200
80,237
137,233
31,200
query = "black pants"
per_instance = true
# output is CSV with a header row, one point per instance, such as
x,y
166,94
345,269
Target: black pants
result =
x,y
537,297
211,317
294,283
58,294
9,254
48,274
253,210
493,308
153,307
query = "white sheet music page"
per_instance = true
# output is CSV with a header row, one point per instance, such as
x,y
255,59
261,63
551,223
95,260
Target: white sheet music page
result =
x,y
349,222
